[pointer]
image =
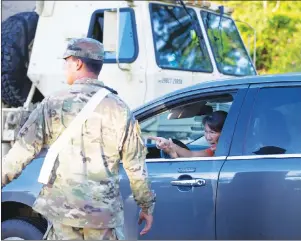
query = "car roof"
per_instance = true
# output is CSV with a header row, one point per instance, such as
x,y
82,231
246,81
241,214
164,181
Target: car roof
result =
x,y
256,79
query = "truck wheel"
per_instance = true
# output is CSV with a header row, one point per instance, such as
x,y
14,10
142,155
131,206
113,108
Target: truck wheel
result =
x,y
17,34
16,229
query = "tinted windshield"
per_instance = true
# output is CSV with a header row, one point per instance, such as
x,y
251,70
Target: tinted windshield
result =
x,y
176,43
230,54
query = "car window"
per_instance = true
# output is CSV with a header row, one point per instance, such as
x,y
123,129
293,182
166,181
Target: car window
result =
x,y
176,42
275,123
128,44
184,123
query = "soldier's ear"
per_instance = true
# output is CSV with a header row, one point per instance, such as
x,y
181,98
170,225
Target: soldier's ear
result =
x,y
79,64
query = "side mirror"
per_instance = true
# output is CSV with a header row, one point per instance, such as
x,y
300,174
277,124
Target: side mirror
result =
x,y
110,34
44,8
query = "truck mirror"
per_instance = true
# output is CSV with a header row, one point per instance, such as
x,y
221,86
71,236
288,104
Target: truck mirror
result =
x,y
39,7
110,35
44,8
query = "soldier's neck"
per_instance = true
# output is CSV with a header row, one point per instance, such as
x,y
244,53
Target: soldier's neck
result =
x,y
87,75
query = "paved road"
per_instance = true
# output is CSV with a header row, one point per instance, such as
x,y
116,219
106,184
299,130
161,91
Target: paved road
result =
x,y
12,7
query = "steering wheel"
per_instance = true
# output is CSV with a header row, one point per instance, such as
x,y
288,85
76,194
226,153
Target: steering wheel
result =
x,y
177,142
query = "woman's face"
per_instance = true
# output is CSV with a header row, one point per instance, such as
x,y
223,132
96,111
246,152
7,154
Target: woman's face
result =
x,y
211,135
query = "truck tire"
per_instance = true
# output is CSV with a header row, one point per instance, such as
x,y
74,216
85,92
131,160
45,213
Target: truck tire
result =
x,y
20,229
17,33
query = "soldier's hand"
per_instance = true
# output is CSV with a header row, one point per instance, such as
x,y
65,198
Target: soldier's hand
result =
x,y
149,221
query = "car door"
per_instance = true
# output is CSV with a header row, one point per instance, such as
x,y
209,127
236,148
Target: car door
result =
x,y
185,187
259,189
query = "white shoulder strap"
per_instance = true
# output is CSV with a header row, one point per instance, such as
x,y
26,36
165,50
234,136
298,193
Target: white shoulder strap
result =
x,y
70,131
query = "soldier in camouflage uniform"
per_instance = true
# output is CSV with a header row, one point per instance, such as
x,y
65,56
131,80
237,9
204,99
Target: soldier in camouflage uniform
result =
x,y
83,200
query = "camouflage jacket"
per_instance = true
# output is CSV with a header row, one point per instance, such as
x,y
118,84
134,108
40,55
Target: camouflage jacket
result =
x,y
84,190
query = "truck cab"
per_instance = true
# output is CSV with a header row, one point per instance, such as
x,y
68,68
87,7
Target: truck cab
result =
x,y
151,47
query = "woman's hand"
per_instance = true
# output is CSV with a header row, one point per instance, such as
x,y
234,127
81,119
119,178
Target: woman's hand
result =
x,y
166,145
161,143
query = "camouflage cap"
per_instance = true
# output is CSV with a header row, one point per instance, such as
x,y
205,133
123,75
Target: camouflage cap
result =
x,y
86,48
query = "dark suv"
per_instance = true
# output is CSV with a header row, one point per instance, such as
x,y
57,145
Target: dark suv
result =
x,y
250,188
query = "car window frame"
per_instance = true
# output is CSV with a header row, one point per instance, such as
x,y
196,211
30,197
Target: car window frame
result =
x,y
200,30
223,147
135,34
237,146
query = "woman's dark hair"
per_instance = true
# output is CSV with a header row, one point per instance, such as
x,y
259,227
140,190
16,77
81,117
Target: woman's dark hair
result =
x,y
216,120
92,65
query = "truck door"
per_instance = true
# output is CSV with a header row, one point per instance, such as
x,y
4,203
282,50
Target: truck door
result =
x,y
173,52
259,189
123,70
185,187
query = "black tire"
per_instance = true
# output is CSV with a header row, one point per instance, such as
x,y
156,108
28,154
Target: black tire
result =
x,y
17,33
21,229
35,221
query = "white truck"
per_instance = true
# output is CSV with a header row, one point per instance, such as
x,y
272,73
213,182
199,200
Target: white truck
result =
x,y
151,48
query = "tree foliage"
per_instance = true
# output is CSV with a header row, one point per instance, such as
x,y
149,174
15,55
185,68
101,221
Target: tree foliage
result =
x,y
278,33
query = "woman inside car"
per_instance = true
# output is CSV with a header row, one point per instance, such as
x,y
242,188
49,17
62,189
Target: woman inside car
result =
x,y
213,124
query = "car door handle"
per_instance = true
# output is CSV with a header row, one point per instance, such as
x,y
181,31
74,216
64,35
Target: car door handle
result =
x,y
189,183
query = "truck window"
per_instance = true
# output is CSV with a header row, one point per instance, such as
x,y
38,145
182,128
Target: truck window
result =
x,y
175,41
229,52
128,43
274,126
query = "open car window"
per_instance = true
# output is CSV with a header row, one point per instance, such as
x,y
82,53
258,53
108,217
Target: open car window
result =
x,y
184,122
